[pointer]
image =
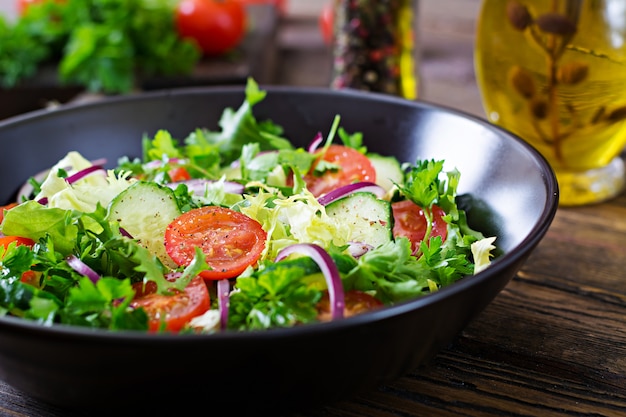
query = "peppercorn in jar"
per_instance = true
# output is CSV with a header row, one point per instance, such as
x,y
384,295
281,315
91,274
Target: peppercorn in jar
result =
x,y
375,47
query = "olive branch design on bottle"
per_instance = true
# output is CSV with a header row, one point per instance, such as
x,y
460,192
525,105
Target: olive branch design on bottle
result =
x,y
553,32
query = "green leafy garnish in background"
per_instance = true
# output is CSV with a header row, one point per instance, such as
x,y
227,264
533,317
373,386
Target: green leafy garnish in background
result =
x,y
102,45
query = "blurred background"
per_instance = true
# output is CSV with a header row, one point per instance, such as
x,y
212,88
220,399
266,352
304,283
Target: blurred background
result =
x,y
285,45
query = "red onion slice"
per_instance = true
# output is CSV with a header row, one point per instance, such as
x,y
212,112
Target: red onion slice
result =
x,y
223,296
315,143
363,186
78,176
328,268
198,186
82,268
26,190
83,173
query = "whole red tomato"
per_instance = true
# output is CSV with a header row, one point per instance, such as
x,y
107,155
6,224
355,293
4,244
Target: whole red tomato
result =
x,y
216,25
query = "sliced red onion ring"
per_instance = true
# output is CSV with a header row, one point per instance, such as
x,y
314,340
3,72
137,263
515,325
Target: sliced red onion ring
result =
x,y
27,189
328,268
96,162
198,186
223,296
78,176
125,233
83,173
363,186
82,268
315,143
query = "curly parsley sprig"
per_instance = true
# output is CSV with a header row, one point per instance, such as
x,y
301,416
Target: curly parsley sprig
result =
x,y
423,185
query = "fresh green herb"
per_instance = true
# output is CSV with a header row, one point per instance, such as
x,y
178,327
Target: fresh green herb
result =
x,y
276,298
352,140
423,185
102,45
240,127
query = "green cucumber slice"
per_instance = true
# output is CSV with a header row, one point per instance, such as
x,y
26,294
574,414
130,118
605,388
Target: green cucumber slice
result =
x,y
370,218
144,210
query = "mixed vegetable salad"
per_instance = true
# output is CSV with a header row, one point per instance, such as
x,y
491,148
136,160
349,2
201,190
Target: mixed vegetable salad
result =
x,y
233,230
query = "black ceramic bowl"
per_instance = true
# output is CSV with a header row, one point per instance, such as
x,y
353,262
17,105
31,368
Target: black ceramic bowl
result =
x,y
512,194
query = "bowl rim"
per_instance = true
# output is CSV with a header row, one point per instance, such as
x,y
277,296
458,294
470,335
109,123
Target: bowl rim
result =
x,y
516,254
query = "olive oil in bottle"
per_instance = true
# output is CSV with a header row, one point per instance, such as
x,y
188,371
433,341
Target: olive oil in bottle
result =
x,y
554,73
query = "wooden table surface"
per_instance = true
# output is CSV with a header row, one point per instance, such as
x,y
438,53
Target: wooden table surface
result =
x,y
552,343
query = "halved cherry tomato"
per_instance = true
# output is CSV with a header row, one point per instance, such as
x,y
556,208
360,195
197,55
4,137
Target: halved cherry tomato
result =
x,y
179,174
230,240
356,302
172,312
28,277
354,167
216,25
6,207
6,240
409,221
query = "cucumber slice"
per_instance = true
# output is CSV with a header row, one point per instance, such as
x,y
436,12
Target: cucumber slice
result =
x,y
388,170
369,217
144,210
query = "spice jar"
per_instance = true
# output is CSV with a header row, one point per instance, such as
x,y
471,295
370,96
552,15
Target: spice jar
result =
x,y
375,46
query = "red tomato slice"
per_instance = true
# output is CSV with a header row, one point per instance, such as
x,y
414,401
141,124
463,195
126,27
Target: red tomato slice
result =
x,y
6,240
230,240
179,174
356,302
355,167
28,277
409,221
172,312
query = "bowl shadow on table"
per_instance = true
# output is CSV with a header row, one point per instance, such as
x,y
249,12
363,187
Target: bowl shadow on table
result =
x,y
514,197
